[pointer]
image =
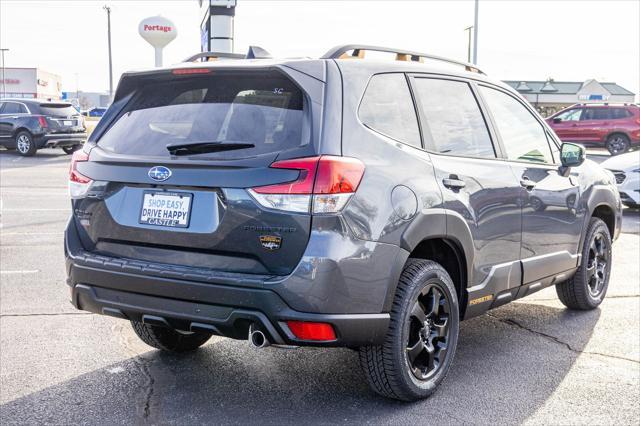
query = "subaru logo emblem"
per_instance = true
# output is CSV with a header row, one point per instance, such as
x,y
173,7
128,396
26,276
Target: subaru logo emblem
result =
x,y
159,173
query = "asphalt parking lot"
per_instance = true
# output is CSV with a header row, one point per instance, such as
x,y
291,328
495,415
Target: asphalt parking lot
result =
x,y
528,362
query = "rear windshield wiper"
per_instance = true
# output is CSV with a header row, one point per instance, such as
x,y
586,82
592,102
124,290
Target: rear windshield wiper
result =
x,y
206,147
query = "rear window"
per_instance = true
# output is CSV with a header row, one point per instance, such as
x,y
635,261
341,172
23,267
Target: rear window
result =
x,y
387,108
58,110
265,110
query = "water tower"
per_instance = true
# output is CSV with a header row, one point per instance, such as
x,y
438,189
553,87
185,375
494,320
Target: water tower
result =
x,y
158,31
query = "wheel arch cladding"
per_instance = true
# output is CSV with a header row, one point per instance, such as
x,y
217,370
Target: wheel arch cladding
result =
x,y
450,255
605,213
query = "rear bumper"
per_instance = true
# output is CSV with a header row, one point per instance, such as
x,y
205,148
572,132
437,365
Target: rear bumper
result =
x,y
53,140
225,305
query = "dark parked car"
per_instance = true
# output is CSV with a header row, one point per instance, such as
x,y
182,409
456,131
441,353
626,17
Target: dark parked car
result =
x,y
331,202
615,127
30,124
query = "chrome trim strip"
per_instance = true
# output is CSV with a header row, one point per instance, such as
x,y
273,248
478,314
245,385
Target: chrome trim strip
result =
x,y
493,270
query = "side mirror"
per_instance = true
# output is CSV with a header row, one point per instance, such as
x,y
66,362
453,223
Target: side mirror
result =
x,y
557,120
572,155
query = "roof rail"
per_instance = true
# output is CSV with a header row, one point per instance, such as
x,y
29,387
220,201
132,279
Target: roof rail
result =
x,y
255,52
208,56
401,55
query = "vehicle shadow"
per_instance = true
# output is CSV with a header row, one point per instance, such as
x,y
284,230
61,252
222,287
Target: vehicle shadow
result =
x,y
507,364
47,156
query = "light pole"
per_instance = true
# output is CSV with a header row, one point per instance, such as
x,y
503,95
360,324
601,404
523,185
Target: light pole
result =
x,y
475,35
108,10
4,92
469,43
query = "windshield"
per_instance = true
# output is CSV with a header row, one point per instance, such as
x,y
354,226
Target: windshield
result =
x,y
58,110
264,112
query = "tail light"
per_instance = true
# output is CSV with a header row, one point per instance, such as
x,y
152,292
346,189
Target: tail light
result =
x,y
79,184
319,331
43,122
324,185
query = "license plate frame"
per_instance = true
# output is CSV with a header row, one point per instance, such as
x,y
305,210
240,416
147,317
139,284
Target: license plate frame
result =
x,y
165,222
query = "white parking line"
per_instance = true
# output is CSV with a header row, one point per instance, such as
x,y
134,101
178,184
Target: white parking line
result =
x,y
5,234
36,210
24,271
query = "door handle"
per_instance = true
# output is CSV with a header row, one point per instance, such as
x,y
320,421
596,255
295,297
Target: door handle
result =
x,y
527,183
453,182
574,125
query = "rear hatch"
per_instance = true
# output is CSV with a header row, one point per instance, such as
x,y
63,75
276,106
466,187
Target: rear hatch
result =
x,y
62,118
170,173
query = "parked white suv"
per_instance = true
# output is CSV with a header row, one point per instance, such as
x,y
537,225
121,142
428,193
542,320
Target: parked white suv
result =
x,y
626,169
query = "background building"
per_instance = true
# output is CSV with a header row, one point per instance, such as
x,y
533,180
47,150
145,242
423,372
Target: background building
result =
x,y
87,100
551,96
30,83
216,28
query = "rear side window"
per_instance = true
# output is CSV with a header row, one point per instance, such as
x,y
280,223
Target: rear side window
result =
x,y
387,108
523,136
14,108
452,121
58,110
618,113
262,112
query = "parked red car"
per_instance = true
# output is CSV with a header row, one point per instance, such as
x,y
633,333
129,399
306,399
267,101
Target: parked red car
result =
x,y
616,127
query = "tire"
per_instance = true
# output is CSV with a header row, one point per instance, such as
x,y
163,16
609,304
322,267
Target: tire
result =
x,y
167,339
537,204
25,144
388,367
71,149
617,143
587,288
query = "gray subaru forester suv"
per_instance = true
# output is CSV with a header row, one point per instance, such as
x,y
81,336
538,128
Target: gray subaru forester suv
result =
x,y
340,201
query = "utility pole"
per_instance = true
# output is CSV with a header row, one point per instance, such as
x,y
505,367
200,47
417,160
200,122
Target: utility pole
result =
x,y
475,35
108,10
77,95
469,43
4,92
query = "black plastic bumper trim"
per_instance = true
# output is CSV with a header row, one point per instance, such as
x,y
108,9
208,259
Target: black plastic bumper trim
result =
x,y
264,308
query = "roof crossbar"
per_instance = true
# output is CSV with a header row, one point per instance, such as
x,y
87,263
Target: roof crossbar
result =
x,y
401,55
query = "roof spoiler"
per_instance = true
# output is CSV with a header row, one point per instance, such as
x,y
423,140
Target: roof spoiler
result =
x,y
255,52
358,52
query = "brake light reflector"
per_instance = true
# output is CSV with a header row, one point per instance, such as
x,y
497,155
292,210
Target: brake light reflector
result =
x,y
318,331
325,184
43,122
79,184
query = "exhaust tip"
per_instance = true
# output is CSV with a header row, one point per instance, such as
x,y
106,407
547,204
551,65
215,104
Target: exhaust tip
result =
x,y
257,338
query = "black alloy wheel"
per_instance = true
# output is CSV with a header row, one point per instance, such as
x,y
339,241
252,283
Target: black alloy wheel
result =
x,y
597,264
428,335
